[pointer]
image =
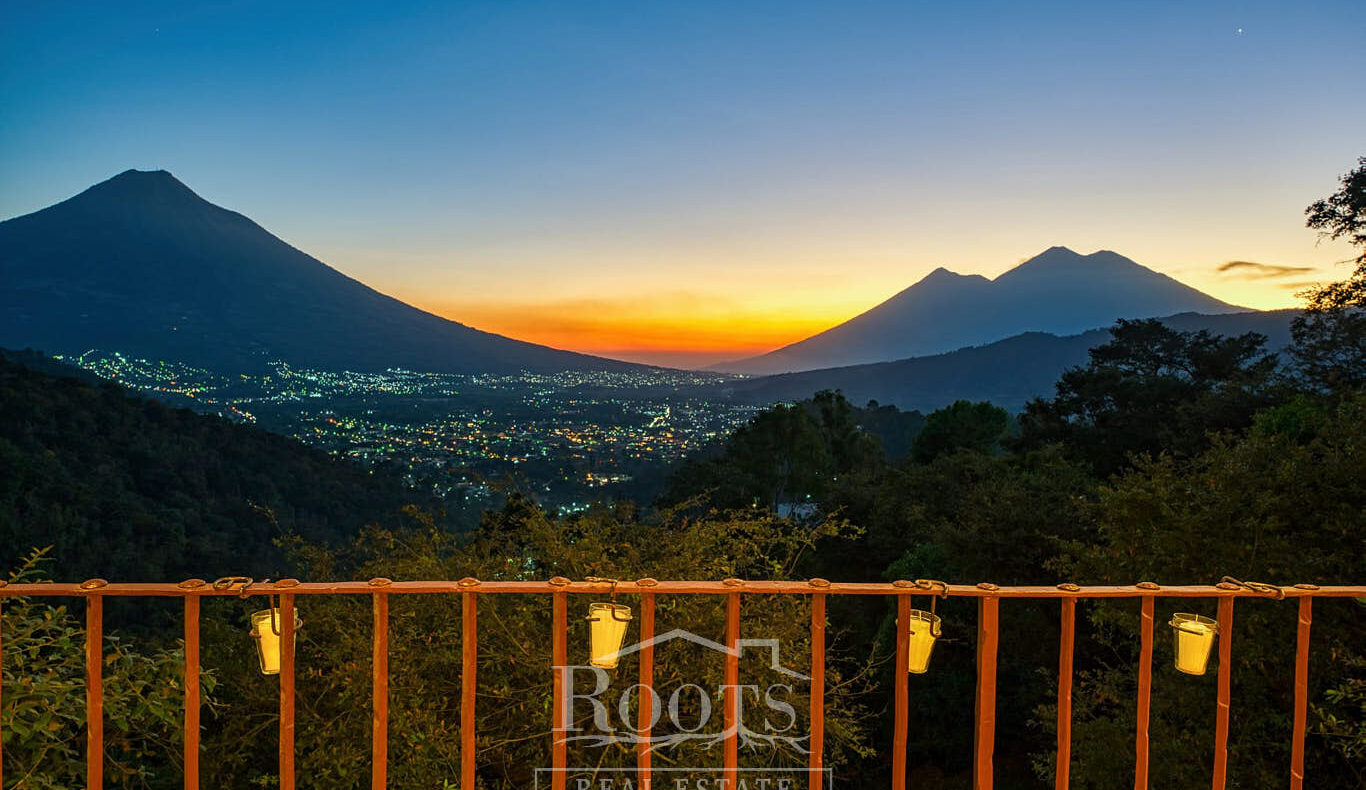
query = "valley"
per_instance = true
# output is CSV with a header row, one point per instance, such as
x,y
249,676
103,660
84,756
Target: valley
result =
x,y
567,438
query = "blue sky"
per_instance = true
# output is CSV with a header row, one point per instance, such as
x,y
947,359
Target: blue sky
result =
x,y
713,177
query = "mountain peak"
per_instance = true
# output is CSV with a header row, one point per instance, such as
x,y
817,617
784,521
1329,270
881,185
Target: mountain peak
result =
x,y
144,179
1054,256
1065,262
942,276
133,172
157,186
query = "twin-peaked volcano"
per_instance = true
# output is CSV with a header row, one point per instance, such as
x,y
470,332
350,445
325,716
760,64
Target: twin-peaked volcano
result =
x,y
143,265
1058,291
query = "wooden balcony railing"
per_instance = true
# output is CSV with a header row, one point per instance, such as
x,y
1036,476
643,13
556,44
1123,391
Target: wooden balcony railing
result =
x,y
989,597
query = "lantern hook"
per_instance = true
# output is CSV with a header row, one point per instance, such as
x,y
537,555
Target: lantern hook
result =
x,y
937,590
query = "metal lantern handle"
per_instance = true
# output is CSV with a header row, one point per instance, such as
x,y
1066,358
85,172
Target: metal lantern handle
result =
x,y
274,614
937,590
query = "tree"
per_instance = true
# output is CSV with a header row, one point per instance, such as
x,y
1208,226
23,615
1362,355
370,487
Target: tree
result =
x,y
1153,389
791,453
1343,214
1282,505
1330,335
977,427
851,448
43,713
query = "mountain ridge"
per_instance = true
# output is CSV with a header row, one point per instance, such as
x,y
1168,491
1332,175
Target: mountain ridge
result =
x,y
1007,372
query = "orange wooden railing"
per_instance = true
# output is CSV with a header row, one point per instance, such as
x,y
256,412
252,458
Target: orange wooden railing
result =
x,y
989,596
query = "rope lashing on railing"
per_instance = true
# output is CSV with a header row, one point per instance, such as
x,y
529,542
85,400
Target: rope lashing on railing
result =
x,y
1228,582
604,580
241,582
933,584
934,587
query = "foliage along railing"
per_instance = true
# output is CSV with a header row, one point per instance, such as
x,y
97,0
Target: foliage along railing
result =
x,y
988,595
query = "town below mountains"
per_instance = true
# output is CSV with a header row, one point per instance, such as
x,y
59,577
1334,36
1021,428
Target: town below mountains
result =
x,y
143,282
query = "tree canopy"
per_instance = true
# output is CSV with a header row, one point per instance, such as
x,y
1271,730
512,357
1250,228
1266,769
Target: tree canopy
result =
x,y
1153,389
1330,335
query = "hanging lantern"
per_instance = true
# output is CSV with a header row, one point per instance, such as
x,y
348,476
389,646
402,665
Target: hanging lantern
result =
x,y
265,629
607,629
1194,639
925,628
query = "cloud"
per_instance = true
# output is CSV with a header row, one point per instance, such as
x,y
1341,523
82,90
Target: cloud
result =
x,y
1248,270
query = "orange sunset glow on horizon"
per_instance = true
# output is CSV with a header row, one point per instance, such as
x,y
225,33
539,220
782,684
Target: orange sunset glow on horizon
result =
x,y
679,330
710,323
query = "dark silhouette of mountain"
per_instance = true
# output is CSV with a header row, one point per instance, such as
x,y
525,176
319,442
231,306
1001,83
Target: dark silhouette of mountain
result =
x,y
1008,372
1058,292
143,265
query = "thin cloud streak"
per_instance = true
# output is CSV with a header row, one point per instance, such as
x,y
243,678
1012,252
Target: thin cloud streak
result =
x,y
1250,270
1299,286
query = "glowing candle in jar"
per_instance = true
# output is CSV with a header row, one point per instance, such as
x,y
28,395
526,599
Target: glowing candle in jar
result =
x,y
924,629
1194,639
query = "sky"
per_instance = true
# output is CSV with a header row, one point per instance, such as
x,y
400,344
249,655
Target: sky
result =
x,y
685,182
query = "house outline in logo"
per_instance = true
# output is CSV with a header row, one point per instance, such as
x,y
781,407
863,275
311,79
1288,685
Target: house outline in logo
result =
x,y
738,651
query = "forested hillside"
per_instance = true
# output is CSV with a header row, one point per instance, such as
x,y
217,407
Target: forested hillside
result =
x,y
131,488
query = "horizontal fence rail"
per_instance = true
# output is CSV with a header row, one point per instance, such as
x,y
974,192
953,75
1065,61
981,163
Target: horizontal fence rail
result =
x,y
288,590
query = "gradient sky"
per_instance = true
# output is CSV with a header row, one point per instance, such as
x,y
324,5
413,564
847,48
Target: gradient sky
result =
x,y
689,181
